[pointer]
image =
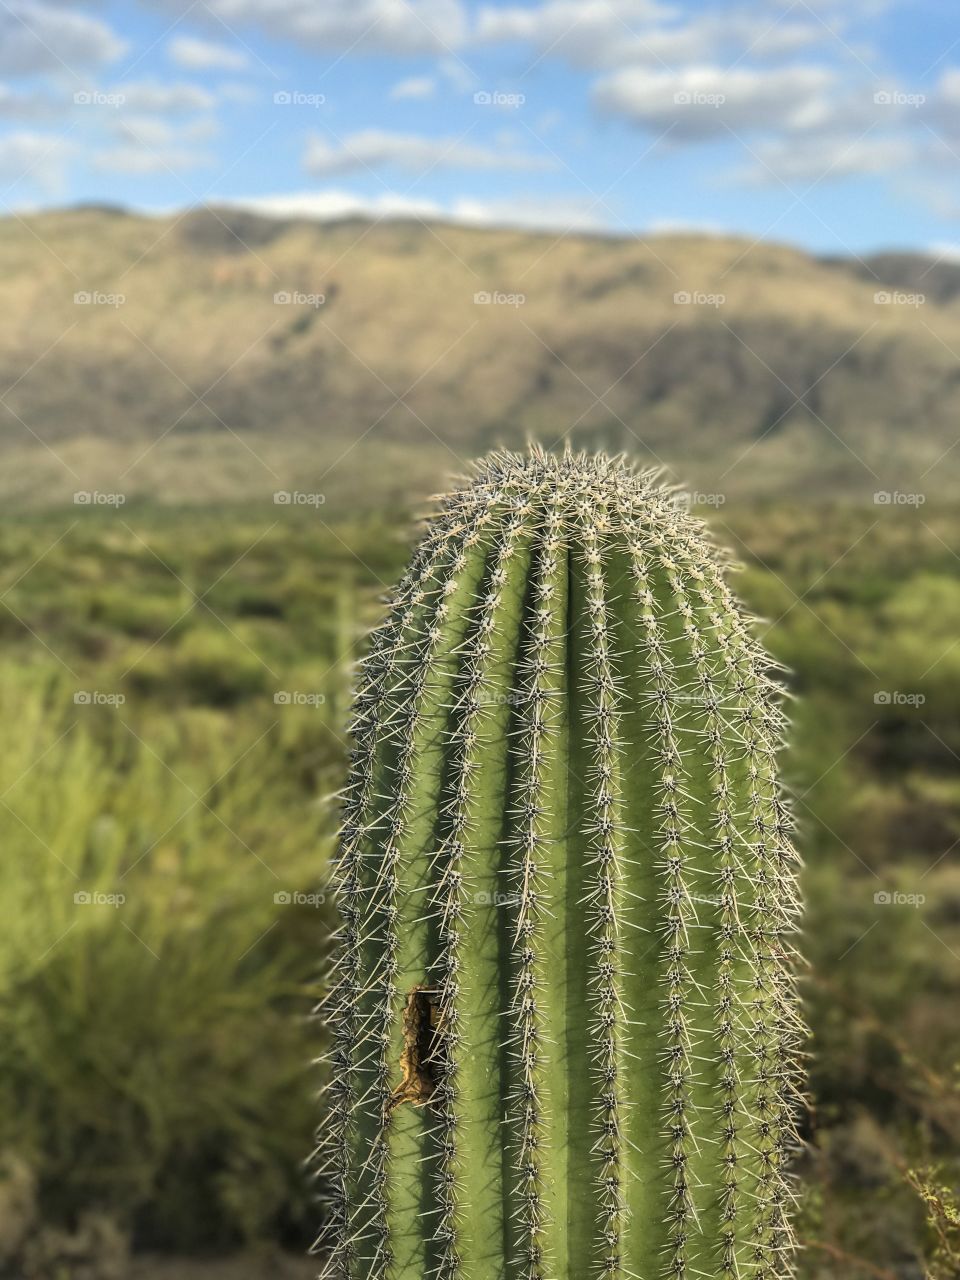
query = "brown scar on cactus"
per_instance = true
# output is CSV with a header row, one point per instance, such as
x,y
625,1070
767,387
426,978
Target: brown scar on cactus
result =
x,y
419,1060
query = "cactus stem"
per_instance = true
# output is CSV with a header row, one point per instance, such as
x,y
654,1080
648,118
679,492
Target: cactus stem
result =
x,y
565,1004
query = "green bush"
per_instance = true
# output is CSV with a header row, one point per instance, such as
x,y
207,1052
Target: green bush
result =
x,y
154,1048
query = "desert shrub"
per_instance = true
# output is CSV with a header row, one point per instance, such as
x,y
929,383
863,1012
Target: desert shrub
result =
x,y
155,968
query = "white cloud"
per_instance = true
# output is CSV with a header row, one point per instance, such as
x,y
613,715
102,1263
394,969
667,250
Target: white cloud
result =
x,y
939,111
376,148
770,41
416,87
945,252
362,26
560,19
234,91
948,87
26,106
531,212
148,144
137,161
34,160
157,132
702,102
206,55
822,158
37,37
547,122
942,203
164,99
682,227
457,74
328,206
943,109
587,32
805,123
830,9
608,33
870,128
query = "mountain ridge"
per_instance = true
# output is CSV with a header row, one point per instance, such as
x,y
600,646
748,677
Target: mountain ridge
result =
x,y
219,353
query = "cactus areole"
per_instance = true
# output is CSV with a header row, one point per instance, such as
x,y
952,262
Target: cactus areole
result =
x,y
564,1018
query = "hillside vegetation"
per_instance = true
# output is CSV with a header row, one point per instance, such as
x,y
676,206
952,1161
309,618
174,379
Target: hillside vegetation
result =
x,y
186,380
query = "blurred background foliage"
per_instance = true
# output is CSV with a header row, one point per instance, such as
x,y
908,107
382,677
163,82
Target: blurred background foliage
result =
x,y
173,690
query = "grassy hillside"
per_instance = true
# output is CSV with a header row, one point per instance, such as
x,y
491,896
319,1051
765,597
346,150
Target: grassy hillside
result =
x,y
782,375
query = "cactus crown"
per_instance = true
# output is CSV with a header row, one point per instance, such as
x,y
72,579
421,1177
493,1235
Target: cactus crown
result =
x,y
564,1025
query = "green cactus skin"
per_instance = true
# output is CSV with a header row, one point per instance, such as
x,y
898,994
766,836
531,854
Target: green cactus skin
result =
x,y
564,1017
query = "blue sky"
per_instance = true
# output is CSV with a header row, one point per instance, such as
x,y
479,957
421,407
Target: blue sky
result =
x,y
833,124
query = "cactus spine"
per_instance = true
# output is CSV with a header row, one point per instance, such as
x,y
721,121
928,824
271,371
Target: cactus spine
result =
x,y
564,1014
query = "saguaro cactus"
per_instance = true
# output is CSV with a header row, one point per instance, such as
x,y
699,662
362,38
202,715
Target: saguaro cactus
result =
x,y
564,1017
